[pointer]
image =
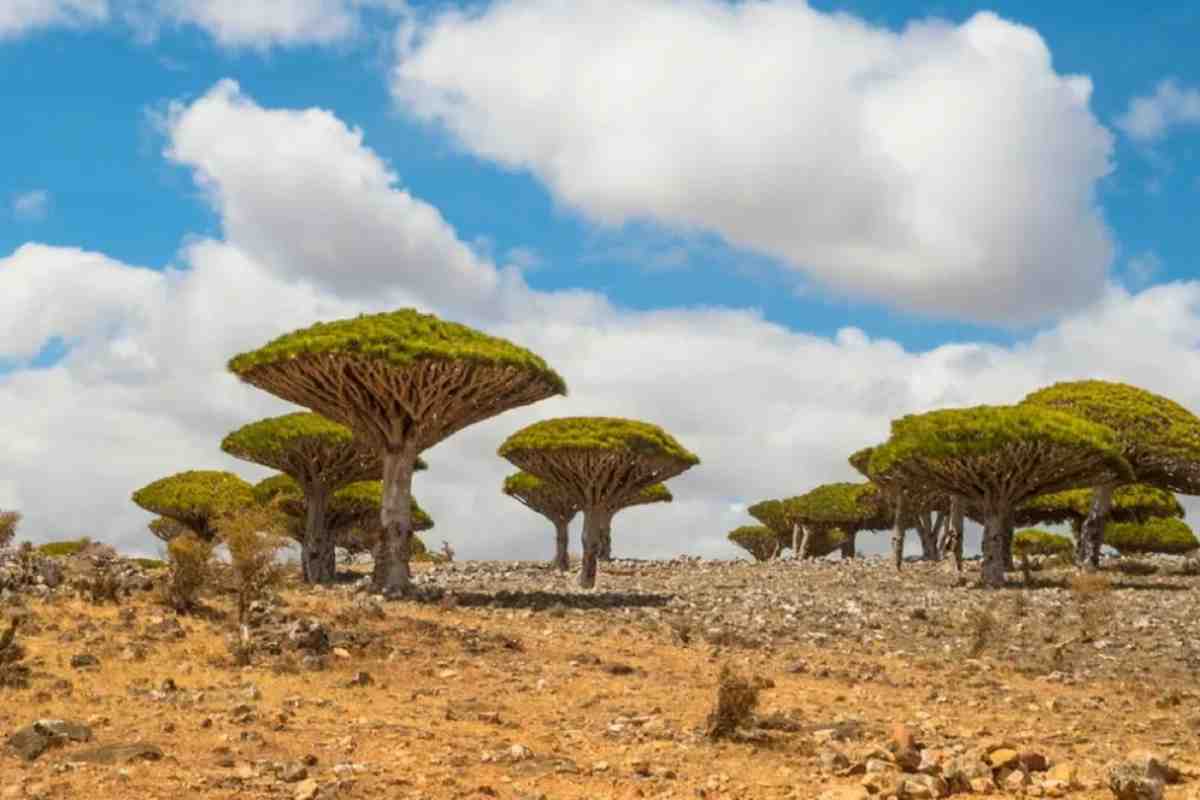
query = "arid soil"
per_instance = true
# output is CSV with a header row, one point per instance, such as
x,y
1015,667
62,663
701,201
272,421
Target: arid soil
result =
x,y
505,681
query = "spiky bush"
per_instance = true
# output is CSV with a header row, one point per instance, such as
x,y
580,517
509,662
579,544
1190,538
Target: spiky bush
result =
x,y
757,540
8,527
1165,535
254,537
190,561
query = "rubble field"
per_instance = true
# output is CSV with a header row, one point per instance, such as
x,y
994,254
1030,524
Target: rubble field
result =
x,y
502,680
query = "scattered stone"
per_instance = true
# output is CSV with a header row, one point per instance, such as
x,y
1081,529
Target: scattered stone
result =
x,y
118,754
84,660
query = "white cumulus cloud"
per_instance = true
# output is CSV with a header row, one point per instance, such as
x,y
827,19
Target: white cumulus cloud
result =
x,y
948,169
1150,117
20,17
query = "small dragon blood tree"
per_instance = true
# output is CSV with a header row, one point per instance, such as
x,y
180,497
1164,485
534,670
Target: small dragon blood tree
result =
x,y
603,462
1165,535
995,458
758,540
351,515
912,505
1134,502
196,498
658,493
402,382
848,507
780,516
1158,437
552,502
321,456
165,529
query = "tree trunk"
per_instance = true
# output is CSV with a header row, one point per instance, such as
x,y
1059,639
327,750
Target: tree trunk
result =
x,y
595,522
606,544
928,528
562,560
1080,544
954,533
1009,563
391,575
898,533
993,549
802,553
848,550
796,545
1093,526
318,561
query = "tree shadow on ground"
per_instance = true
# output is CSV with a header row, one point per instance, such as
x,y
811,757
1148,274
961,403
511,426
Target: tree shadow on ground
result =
x,y
539,600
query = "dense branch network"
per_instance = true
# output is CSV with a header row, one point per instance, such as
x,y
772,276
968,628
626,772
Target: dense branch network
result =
x,y
196,498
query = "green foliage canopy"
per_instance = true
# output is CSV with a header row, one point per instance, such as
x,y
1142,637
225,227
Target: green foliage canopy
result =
x,y
1134,502
857,506
1161,535
306,446
597,434
781,515
196,497
1001,454
544,497
1157,436
1033,542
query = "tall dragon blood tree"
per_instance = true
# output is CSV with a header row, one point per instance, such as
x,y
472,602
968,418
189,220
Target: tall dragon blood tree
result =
x,y
780,516
1132,503
402,381
195,499
848,507
995,458
321,456
658,493
1158,437
603,462
552,502
759,541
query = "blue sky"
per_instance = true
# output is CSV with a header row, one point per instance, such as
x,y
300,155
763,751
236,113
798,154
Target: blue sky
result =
x,y
84,100
908,205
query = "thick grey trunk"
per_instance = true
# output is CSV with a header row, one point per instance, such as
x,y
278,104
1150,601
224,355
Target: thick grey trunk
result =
x,y
928,528
848,549
953,543
562,560
606,544
993,549
898,533
796,539
1092,533
595,522
391,574
318,562
1009,564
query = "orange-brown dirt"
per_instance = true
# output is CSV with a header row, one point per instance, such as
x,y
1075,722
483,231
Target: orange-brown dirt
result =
x,y
558,703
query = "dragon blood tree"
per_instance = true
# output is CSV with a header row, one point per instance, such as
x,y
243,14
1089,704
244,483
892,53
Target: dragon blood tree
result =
x,y
1165,535
848,507
1134,502
196,498
402,382
658,493
605,463
780,517
912,505
165,529
995,458
758,540
552,502
1158,437
322,457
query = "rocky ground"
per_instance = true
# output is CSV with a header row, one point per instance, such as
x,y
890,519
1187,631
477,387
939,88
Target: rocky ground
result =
x,y
503,680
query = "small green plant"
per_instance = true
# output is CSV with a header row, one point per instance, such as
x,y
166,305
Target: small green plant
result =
x,y
64,549
737,697
190,565
254,537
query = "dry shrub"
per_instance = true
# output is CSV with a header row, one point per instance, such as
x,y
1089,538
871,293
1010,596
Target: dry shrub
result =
x,y
737,697
102,584
982,628
254,537
1092,594
190,565
8,527
13,674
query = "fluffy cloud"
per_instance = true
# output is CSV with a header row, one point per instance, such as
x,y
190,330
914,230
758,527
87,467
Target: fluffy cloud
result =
x,y
947,169
1149,118
771,411
263,24
32,205
19,17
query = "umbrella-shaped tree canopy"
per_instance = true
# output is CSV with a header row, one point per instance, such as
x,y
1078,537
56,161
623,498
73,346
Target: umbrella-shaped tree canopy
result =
x,y
552,502
165,529
402,381
1166,535
1157,436
1034,542
781,517
758,540
196,498
849,507
996,457
603,463
1134,502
